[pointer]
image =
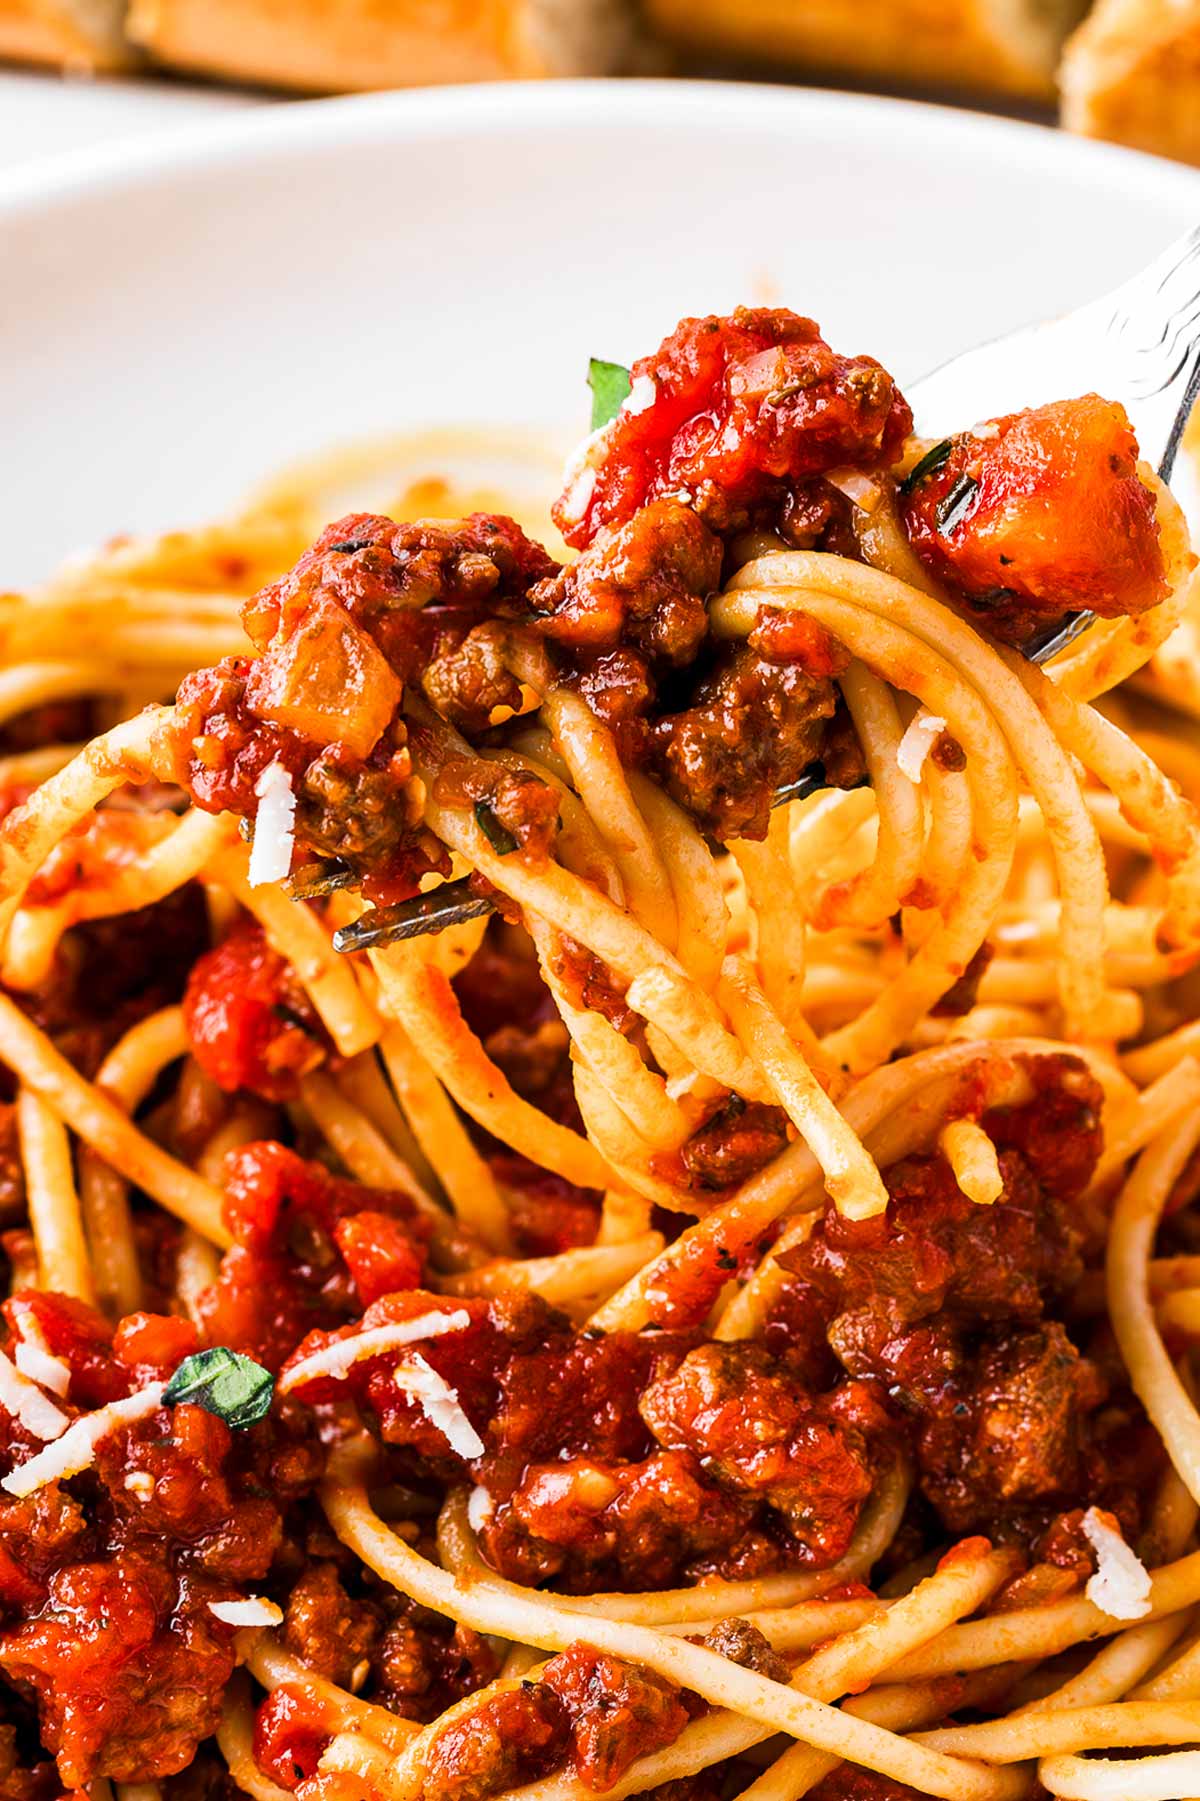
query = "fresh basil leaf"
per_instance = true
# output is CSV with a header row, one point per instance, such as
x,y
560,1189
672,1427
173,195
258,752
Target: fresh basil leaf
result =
x,y
929,463
497,835
954,506
609,383
223,1382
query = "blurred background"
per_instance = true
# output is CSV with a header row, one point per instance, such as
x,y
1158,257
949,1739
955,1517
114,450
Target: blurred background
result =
x,y
1126,70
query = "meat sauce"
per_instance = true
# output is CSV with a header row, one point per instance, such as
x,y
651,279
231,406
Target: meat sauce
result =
x,y
735,423
309,1248
942,1331
632,1460
105,1583
592,1712
736,413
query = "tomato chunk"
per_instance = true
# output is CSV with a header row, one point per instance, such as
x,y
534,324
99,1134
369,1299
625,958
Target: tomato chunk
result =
x,y
1041,513
250,1023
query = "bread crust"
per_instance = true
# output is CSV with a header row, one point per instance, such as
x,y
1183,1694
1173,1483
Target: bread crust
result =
x,y
63,35
988,46
1131,73
317,47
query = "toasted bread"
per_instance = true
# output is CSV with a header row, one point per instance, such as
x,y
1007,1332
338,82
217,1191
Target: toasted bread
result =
x,y
988,46
316,46
1132,73
70,34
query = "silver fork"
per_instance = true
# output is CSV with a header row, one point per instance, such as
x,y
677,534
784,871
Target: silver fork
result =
x,y
1140,345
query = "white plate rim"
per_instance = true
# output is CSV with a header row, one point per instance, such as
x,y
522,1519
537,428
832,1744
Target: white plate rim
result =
x,y
307,126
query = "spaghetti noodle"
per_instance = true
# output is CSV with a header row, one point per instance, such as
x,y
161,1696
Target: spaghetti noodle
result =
x,y
600,1157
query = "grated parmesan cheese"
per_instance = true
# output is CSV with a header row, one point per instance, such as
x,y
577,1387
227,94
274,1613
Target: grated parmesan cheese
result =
x,y
337,1359
251,1612
34,1359
575,500
274,827
923,733
76,1449
579,473
480,1508
1121,1585
439,1403
26,1402
641,396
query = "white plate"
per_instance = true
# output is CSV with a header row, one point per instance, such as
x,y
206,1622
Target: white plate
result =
x,y
178,318
43,115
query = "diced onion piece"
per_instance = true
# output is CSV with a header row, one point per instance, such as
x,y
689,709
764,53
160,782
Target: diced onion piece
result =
x,y
923,733
251,1612
33,1358
336,1360
1121,1585
274,827
439,1403
754,377
863,490
480,1508
76,1449
327,681
26,1402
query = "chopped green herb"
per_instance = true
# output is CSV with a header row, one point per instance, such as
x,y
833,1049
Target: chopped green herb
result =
x,y
223,1382
929,463
609,383
497,835
955,506
725,1259
448,905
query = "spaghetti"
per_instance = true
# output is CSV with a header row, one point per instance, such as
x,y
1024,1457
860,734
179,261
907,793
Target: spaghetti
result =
x,y
600,1157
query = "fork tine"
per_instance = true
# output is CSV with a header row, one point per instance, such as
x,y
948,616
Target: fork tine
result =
x,y
1139,344
1191,394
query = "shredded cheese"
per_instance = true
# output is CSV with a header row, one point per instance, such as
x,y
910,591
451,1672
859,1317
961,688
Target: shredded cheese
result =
x,y
923,733
76,1449
641,396
274,827
480,1508
34,1359
336,1360
579,473
251,1612
439,1403
1121,1585
26,1402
